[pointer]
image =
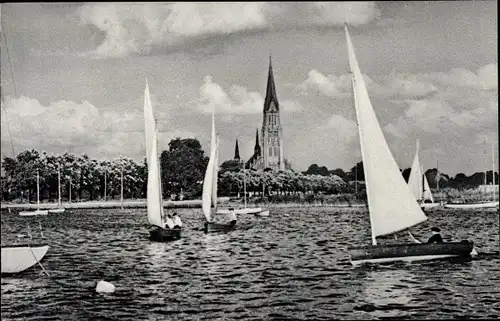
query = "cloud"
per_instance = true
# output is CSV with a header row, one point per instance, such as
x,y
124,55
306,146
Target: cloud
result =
x,y
345,130
63,126
131,28
236,101
331,85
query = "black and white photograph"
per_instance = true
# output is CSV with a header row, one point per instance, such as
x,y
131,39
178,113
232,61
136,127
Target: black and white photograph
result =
x,y
249,160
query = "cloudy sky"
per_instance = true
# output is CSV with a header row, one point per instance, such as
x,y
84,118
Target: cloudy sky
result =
x,y
80,70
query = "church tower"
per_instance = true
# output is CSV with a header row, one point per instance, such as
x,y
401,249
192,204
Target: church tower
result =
x,y
272,136
236,151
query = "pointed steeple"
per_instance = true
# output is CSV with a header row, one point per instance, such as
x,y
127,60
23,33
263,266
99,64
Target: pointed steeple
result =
x,y
256,149
236,151
271,95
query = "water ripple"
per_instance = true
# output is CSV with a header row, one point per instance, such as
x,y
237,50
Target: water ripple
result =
x,y
293,268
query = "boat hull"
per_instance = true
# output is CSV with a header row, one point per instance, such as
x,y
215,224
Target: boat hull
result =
x,y
218,227
429,205
473,205
263,213
248,210
164,235
34,213
410,252
18,258
57,210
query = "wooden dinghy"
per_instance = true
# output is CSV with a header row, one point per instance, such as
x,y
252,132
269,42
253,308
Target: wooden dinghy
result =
x,y
410,252
164,235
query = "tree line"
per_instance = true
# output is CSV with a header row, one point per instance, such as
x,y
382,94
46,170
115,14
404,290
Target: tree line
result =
x,y
435,178
183,168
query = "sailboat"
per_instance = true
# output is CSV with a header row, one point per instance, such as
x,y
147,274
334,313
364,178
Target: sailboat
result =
x,y
392,205
154,191
38,211
209,196
479,205
257,211
59,208
418,183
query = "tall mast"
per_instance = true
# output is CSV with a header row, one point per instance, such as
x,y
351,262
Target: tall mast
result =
x,y
59,185
485,163
437,174
244,186
37,189
493,169
105,183
121,192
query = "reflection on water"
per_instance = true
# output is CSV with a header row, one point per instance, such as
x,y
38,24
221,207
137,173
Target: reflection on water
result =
x,y
277,267
385,287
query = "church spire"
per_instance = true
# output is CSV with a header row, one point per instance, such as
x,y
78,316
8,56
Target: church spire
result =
x,y
256,148
236,151
271,95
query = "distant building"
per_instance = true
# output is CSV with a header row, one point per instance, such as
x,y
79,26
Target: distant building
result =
x,y
271,153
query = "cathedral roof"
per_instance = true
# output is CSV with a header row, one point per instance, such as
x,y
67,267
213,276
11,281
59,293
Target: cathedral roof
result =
x,y
271,95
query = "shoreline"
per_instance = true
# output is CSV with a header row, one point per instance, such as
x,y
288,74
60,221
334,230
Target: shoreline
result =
x,y
169,204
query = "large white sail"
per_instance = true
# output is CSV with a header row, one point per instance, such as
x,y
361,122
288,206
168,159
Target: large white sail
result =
x,y
215,175
149,122
206,198
392,205
154,197
415,180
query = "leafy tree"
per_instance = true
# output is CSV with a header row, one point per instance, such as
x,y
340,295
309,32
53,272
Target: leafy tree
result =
x,y
406,174
232,165
314,169
183,167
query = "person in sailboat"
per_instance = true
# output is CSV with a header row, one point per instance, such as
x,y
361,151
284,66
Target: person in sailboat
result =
x,y
177,221
232,216
169,222
435,237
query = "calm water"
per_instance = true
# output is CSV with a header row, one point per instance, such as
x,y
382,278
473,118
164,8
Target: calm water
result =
x,y
277,267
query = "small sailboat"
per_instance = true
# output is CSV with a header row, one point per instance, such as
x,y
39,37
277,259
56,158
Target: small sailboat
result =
x,y
419,185
38,211
257,211
154,192
209,196
480,205
20,257
59,208
392,205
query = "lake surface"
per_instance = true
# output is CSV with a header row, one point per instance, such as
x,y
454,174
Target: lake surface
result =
x,y
273,268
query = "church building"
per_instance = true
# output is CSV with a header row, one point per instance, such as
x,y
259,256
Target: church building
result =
x,y
268,151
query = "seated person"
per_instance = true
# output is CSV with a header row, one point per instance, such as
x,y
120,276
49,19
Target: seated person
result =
x,y
436,237
232,216
169,223
177,221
